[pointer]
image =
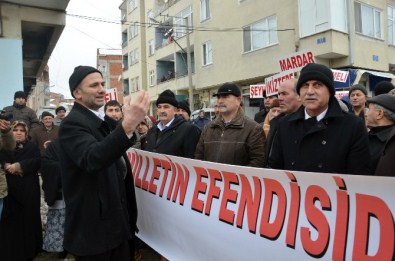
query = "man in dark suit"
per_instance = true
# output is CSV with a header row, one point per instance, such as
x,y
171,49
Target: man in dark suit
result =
x,y
97,225
320,137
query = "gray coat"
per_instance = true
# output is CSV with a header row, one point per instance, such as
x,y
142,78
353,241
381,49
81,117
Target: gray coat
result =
x,y
23,113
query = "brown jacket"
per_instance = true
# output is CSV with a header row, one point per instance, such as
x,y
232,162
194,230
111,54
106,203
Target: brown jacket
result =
x,y
241,142
40,135
7,142
386,166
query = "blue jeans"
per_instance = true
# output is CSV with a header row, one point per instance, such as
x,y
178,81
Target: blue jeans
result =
x,y
1,207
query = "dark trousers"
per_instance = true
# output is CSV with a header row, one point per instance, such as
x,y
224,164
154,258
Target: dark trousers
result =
x,y
120,253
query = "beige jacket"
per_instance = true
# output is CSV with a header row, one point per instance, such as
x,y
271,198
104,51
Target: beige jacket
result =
x,y
7,142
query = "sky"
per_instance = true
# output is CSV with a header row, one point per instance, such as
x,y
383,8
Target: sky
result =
x,y
81,37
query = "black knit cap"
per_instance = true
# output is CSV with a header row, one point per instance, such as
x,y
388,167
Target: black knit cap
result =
x,y
45,114
185,106
60,108
228,88
317,72
80,72
167,96
383,87
20,94
357,87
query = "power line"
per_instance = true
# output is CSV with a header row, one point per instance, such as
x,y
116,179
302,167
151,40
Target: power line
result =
x,y
194,28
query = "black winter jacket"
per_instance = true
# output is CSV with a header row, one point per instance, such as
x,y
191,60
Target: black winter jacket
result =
x,y
93,168
336,144
179,139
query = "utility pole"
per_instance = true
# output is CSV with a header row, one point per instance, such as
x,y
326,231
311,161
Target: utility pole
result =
x,y
189,66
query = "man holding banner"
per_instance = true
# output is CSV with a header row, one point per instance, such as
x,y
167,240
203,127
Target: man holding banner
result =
x,y
232,138
320,137
290,102
173,135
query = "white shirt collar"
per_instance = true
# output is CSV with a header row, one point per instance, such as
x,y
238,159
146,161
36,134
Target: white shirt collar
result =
x,y
319,116
99,114
161,127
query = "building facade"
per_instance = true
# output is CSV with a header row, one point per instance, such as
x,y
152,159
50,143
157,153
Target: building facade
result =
x,y
242,41
29,31
109,62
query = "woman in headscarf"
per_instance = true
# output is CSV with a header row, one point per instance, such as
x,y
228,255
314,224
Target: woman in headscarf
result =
x,y
20,226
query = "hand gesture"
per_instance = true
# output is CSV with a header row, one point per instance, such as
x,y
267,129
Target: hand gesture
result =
x,y
134,111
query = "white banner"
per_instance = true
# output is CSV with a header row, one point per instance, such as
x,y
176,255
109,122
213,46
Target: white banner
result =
x,y
273,82
196,210
111,94
340,76
257,90
340,94
296,61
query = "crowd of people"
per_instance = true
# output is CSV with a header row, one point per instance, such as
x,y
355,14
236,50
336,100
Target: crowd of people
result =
x,y
86,175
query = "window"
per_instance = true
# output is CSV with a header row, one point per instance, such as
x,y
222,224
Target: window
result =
x,y
126,86
125,62
391,25
316,16
124,38
207,53
151,47
133,31
134,84
132,5
134,56
368,20
150,14
102,67
260,34
180,24
151,77
204,10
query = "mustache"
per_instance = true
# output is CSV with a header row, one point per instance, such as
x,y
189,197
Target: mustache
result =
x,y
310,97
163,114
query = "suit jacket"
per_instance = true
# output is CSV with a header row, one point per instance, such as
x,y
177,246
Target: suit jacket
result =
x,y
336,144
93,180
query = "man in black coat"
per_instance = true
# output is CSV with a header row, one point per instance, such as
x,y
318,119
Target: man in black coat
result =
x,y
172,135
97,225
290,102
320,137
380,118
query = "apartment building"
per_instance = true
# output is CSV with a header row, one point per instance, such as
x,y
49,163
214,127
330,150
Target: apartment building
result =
x,y
242,41
109,62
